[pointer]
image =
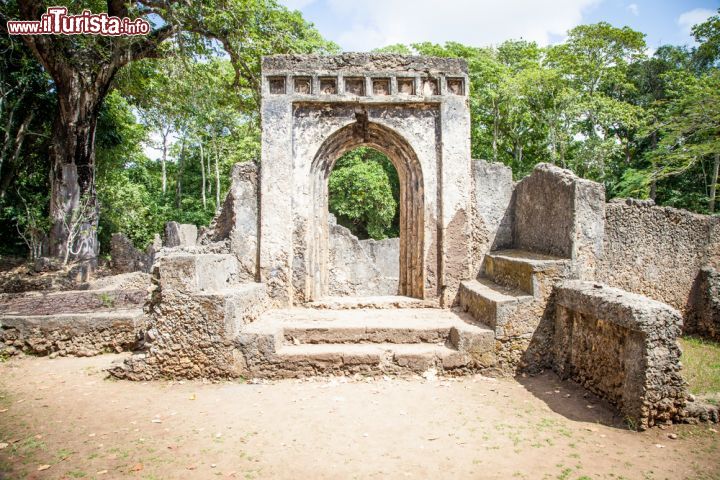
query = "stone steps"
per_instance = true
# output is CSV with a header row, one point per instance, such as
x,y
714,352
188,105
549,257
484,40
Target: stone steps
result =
x,y
378,302
488,301
305,341
511,295
369,358
520,269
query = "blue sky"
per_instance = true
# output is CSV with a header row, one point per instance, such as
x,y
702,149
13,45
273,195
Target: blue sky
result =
x,y
361,25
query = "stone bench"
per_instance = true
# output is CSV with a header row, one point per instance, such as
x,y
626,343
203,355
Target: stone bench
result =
x,y
623,347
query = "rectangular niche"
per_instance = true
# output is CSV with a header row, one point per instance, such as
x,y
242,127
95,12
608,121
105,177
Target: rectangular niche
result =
x,y
276,85
381,86
355,86
328,85
430,87
406,86
456,86
303,85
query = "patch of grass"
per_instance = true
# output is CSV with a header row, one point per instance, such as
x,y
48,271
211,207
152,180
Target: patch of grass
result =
x,y
701,365
107,300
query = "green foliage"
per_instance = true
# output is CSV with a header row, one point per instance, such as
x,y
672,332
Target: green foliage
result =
x,y
645,126
707,34
364,191
701,365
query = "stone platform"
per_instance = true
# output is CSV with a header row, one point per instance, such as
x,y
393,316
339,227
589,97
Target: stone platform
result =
x,y
374,338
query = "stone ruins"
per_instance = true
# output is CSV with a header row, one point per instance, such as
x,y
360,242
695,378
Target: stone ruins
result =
x,y
488,275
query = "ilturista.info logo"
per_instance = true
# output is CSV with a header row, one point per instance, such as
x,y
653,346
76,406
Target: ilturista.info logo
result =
x,y
57,22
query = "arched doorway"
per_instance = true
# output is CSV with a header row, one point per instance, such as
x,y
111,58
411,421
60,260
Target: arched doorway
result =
x,y
412,203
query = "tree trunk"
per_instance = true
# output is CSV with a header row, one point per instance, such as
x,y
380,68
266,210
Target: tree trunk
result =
x,y
72,167
653,182
217,178
178,182
209,164
495,133
714,182
202,172
165,134
8,169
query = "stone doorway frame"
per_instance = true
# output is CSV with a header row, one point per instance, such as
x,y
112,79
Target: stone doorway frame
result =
x,y
411,202
413,109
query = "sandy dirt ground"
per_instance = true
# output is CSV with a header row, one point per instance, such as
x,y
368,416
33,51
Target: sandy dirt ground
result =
x,y
62,418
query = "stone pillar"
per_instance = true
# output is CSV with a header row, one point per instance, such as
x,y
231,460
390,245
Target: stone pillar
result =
x,y
455,184
276,202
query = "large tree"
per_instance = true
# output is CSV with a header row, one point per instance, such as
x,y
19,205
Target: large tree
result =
x,y
83,68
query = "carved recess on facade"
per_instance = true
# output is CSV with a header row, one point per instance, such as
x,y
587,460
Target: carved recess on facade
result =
x,y
276,85
456,86
406,86
303,85
381,86
430,87
355,86
328,85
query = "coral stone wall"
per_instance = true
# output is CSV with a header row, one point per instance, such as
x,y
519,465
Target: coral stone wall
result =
x,y
361,267
704,318
622,346
657,251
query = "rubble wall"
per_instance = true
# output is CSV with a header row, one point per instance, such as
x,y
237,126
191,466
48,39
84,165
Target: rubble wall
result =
x,y
657,251
622,346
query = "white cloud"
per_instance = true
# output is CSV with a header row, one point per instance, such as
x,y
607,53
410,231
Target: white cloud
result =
x,y
692,17
297,4
376,23
633,8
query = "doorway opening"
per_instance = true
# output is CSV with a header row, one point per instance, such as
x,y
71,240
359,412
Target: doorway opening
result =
x,y
367,148
364,229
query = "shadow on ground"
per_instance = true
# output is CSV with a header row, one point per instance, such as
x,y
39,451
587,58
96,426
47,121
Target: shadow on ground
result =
x,y
571,400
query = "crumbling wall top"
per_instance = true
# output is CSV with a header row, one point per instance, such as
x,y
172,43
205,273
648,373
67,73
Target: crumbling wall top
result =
x,y
363,62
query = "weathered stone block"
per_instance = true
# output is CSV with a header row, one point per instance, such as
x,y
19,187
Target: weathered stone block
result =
x,y
704,315
180,235
196,272
238,219
125,258
492,202
622,346
558,213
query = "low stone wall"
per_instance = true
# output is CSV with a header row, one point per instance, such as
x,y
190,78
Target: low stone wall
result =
x,y
72,334
657,251
71,301
196,311
623,347
361,267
